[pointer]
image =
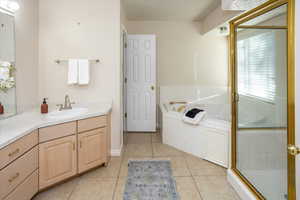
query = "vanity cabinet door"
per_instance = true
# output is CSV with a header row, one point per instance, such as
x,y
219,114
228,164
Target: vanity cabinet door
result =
x,y
92,149
57,160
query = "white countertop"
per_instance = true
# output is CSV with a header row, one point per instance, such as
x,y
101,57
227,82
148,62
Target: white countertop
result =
x,y
14,128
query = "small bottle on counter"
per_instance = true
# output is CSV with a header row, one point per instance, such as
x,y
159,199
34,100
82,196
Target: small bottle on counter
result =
x,y
44,107
1,109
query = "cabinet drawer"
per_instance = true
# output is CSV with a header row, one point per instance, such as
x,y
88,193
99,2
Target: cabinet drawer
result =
x,y
18,148
92,123
27,189
16,172
57,131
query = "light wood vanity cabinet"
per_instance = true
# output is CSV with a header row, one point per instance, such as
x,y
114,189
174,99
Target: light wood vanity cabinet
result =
x,y
57,161
27,189
92,149
18,148
61,145
52,154
19,165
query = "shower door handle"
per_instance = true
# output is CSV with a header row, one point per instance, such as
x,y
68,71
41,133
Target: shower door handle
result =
x,y
293,150
235,97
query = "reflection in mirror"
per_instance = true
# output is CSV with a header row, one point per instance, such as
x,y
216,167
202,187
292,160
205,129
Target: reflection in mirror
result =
x,y
7,67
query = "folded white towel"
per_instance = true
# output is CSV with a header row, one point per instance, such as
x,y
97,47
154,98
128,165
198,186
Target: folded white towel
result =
x,y
73,72
84,72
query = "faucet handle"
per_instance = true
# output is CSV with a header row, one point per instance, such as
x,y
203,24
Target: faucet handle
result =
x,y
60,106
72,103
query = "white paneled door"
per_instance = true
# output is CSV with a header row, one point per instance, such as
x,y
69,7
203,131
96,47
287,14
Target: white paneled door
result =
x,y
141,83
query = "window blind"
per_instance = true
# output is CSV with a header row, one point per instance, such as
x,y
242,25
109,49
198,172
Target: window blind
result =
x,y
256,66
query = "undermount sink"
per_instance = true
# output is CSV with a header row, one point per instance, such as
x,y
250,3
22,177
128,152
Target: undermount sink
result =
x,y
66,113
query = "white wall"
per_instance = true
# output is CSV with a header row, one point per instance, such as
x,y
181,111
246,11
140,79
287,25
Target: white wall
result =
x,y
185,57
26,23
81,29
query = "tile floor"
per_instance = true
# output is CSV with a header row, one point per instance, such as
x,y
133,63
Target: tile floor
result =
x,y
196,179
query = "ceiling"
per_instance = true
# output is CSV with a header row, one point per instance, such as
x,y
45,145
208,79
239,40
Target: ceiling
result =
x,y
169,10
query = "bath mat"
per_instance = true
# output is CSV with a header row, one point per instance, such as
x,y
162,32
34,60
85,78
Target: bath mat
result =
x,y
150,180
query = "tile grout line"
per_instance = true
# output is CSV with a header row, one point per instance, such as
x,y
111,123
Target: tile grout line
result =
x,y
118,177
71,193
193,178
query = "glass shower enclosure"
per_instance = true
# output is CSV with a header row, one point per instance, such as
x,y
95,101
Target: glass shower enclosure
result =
x,y
260,101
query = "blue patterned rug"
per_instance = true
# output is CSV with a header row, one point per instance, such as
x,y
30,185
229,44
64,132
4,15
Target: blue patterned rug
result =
x,y
150,180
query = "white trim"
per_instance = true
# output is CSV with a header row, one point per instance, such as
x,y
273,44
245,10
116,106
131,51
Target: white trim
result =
x,y
242,190
116,152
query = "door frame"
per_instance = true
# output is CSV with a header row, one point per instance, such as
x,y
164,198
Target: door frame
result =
x,y
260,10
123,35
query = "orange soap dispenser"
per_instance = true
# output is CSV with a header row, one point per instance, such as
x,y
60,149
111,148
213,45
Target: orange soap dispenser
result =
x,y
1,109
44,107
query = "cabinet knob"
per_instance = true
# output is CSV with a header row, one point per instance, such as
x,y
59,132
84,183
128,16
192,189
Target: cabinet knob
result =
x,y
14,152
14,177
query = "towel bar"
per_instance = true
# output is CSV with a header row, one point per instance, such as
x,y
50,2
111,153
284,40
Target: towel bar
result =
x,y
60,61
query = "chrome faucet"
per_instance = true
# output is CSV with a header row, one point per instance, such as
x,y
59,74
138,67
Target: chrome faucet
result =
x,y
67,105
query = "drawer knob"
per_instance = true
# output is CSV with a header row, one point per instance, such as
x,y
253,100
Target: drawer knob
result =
x,y
14,152
14,177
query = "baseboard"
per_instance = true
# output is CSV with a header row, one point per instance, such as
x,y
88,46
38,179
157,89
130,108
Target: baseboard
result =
x,y
242,190
116,152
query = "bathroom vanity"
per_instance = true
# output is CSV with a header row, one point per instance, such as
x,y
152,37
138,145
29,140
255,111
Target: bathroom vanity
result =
x,y
38,151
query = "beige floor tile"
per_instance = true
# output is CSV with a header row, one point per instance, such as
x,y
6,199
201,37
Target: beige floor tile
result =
x,y
111,171
59,192
119,191
215,187
187,189
124,165
199,167
138,150
138,138
218,196
162,150
94,189
156,138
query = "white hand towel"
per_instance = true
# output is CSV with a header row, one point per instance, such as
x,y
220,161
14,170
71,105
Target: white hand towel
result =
x,y
84,72
73,72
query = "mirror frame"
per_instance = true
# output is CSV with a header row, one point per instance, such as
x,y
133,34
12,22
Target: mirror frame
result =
x,y
234,24
13,63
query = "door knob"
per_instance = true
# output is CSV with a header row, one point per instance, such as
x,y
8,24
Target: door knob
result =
x,y
152,87
293,150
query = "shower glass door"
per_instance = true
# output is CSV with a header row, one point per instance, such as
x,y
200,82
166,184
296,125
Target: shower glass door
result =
x,y
261,103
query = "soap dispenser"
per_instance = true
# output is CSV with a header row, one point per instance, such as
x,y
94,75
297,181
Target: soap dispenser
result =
x,y
44,107
1,109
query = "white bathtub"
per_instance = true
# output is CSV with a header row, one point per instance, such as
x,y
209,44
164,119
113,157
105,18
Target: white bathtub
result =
x,y
208,141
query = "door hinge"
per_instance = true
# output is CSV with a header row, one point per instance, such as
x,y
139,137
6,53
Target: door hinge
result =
x,y
125,45
125,80
125,115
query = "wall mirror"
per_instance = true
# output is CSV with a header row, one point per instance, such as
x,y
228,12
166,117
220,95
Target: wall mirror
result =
x,y
7,66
